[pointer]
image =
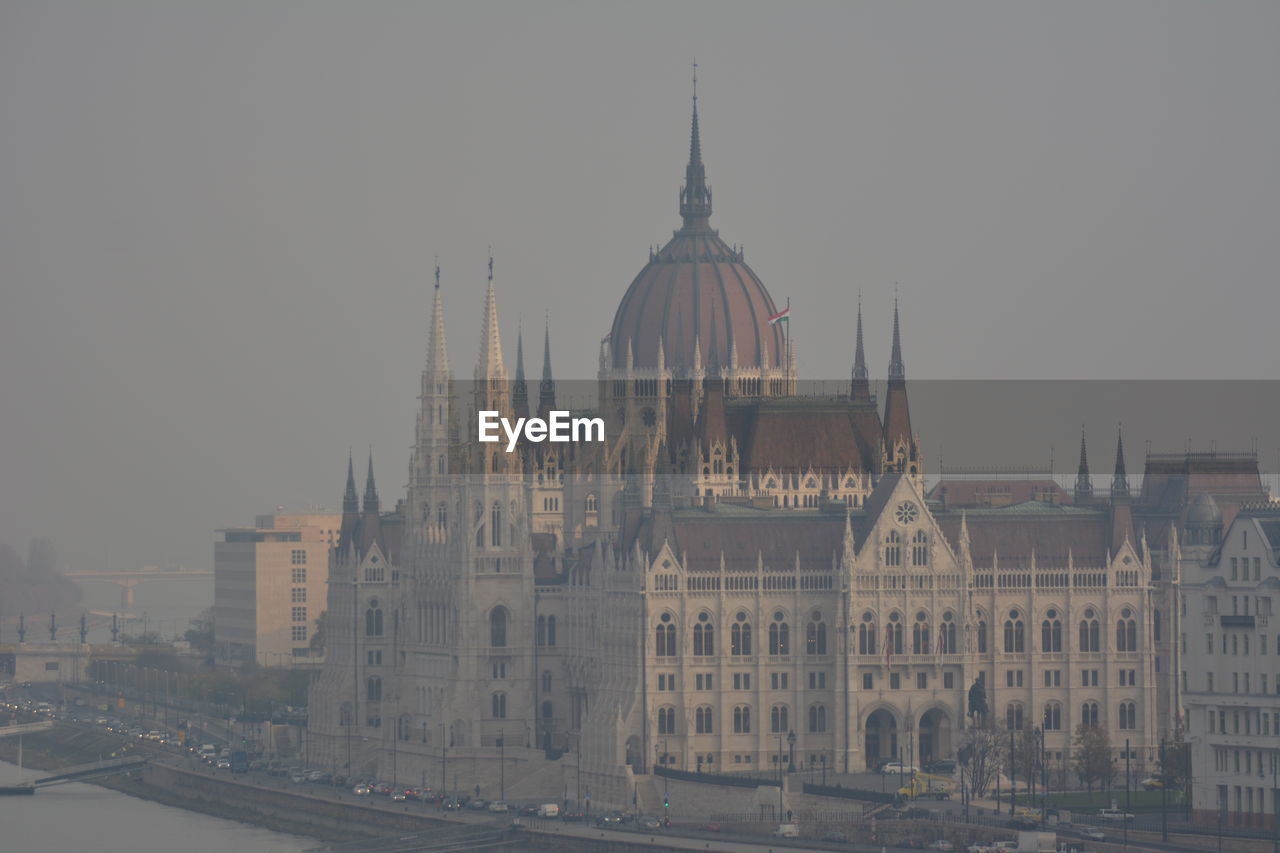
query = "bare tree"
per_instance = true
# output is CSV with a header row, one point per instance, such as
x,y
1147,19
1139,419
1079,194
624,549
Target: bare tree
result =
x,y
1092,758
982,750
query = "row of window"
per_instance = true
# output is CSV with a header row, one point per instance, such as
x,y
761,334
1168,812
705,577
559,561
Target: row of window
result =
x,y
1127,716
779,719
740,637
1245,722
1241,682
741,681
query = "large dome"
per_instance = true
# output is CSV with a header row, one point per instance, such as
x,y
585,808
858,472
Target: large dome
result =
x,y
697,291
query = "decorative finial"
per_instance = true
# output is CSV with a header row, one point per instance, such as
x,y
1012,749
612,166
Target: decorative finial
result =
x,y
695,82
437,272
490,263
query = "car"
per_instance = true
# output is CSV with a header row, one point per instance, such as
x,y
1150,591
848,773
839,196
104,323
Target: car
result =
x,y
224,764
836,836
529,811
1152,783
316,776
477,804
945,767
609,819
361,790
449,804
893,768
1093,833
649,823
398,797
572,816
913,843
709,827
1023,822
297,777
942,844
1115,814
499,806
787,830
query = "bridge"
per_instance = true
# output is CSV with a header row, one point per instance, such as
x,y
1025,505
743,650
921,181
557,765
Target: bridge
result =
x,y
96,770
128,580
25,728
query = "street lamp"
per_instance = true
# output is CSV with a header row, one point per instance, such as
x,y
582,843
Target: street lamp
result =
x,y
502,770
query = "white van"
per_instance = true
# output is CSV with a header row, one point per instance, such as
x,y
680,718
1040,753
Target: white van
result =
x,y
787,830
549,810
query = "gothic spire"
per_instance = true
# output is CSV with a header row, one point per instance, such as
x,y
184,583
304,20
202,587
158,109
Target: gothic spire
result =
x,y
490,366
861,387
1084,485
370,489
350,500
520,390
1120,482
546,388
695,195
438,351
896,368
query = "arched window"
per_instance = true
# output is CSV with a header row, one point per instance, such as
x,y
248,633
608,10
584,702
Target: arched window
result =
x,y
982,637
593,503
704,636
702,720
817,718
947,635
1089,714
1013,716
920,635
373,689
542,630
742,720
495,524
779,635
546,681
1090,632
1052,717
867,640
442,515
740,636
1155,626
440,464
1126,632
373,620
1014,633
548,710
551,630
1051,633
815,636
498,704
893,633
920,549
778,719
665,637
1128,715
498,627
666,721
893,549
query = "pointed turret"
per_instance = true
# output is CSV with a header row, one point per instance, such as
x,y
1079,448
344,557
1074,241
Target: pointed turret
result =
x,y
1084,485
350,508
695,195
860,389
370,489
547,387
897,415
519,389
1120,481
438,350
491,368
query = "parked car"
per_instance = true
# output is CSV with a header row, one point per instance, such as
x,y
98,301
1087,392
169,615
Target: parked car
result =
x,y
897,767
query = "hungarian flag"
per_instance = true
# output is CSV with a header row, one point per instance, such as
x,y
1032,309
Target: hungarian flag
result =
x,y
781,316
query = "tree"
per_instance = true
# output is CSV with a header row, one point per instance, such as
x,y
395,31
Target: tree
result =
x,y
1028,756
985,748
200,632
1176,761
319,635
1092,759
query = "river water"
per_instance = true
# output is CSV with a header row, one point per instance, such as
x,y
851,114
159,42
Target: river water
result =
x,y
85,817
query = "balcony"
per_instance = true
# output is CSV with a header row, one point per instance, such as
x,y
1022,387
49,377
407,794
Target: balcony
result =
x,y
1236,621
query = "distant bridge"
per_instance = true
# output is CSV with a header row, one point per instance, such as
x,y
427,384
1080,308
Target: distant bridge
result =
x,y
25,728
127,580
95,770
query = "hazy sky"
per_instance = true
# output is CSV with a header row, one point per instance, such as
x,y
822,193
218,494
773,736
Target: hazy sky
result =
x,y
217,220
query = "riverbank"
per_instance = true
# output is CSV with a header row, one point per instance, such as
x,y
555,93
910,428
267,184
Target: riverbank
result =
x,y
68,746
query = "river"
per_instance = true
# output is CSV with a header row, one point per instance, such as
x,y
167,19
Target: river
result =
x,y
76,816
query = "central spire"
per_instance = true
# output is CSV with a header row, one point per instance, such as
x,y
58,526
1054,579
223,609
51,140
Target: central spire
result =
x,y
861,388
695,195
896,368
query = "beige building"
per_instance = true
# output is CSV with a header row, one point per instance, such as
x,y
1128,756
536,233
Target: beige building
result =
x,y
269,587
